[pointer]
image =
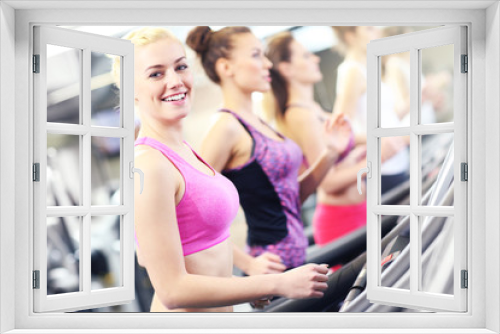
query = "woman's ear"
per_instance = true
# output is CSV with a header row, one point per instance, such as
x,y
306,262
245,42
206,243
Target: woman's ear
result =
x,y
223,68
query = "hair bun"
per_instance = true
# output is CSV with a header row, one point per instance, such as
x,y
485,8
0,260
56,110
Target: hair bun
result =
x,y
198,38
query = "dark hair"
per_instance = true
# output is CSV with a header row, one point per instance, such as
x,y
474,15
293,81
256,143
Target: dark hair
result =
x,y
278,50
211,45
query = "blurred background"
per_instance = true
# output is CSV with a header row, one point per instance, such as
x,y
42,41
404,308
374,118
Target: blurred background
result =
x,y
63,150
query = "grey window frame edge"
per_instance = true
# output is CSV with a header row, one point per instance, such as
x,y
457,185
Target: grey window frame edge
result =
x,y
481,59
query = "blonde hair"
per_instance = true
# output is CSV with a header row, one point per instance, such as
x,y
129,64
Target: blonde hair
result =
x,y
340,33
141,37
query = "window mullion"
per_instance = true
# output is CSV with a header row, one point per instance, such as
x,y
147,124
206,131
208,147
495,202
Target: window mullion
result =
x,y
85,260
415,177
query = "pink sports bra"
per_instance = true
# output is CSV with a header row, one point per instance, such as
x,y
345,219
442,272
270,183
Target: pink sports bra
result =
x,y
208,206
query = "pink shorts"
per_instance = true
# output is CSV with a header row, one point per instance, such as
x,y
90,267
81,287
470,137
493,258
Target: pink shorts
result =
x,y
331,222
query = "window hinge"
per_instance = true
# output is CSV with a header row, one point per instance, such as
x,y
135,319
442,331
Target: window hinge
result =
x,y
464,169
465,279
36,279
465,64
36,63
36,172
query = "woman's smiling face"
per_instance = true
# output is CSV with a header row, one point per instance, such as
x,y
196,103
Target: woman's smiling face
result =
x,y
163,80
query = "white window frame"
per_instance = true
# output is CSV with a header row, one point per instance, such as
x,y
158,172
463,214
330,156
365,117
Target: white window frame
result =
x,y
85,43
414,43
483,102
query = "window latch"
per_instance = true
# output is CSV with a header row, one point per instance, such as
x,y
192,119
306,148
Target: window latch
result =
x,y
368,171
133,170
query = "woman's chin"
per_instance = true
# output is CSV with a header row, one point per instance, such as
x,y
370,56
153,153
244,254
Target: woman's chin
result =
x,y
266,87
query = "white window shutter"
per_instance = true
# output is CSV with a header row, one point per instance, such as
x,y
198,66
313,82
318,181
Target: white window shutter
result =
x,y
449,184
82,212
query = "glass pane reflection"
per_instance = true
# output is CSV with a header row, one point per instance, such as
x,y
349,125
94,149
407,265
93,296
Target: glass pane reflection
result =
x,y
105,96
437,84
63,245
105,170
63,84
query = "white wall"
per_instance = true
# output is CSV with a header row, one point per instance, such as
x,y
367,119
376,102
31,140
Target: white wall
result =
x,y
7,40
492,149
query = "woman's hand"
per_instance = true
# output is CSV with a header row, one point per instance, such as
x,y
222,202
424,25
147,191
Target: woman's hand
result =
x,y
260,303
266,263
338,133
307,281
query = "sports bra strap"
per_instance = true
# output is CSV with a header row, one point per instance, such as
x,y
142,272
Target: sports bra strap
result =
x,y
248,128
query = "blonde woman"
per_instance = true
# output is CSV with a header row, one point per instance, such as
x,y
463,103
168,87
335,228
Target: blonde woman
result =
x,y
182,217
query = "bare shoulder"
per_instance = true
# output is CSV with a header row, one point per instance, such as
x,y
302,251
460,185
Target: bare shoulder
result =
x,y
298,115
354,72
224,122
153,163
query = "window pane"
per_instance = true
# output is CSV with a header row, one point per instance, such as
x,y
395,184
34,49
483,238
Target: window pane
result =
x,y
63,84
395,169
63,244
105,170
437,84
395,259
437,169
63,170
105,244
437,254
105,96
395,90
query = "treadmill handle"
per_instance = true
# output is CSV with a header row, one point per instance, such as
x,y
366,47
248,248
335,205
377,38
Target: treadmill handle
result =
x,y
368,171
133,170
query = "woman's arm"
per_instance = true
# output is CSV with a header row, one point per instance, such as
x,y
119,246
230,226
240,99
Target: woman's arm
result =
x,y
308,131
161,250
345,175
304,128
219,144
350,86
266,263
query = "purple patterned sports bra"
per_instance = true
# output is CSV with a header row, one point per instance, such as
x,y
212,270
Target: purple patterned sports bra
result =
x,y
268,188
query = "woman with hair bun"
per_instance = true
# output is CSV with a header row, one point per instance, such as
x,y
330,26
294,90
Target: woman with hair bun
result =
x,y
340,208
182,218
263,164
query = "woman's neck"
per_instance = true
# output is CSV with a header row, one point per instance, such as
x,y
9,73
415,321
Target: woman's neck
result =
x,y
168,134
236,99
299,93
356,55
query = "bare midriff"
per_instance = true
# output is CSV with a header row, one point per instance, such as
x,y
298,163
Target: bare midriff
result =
x,y
348,196
213,261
